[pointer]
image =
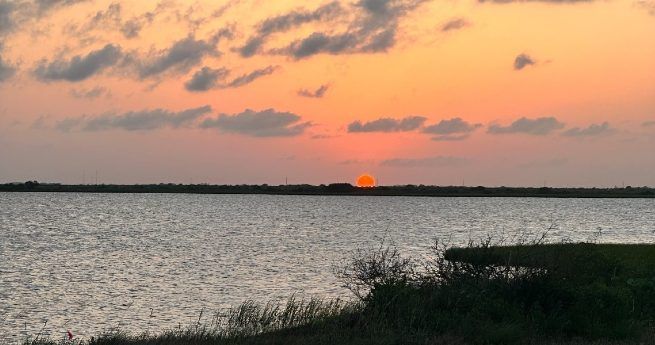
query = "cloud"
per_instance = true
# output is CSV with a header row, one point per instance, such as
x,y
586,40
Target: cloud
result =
x,y
407,124
16,12
111,19
450,130
179,57
318,93
6,70
459,137
95,92
455,24
648,124
372,30
252,76
591,131
208,78
648,5
538,126
522,61
265,123
135,120
68,124
355,162
430,162
285,22
7,23
79,67
45,5
205,79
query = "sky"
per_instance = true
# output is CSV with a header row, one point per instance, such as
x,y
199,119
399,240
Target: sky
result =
x,y
443,92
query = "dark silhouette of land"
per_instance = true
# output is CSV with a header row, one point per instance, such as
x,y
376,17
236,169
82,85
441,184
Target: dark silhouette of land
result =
x,y
339,189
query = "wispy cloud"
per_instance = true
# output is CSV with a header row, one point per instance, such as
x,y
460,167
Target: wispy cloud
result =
x,y
207,78
318,93
451,130
265,123
287,22
455,24
429,162
373,30
406,124
252,76
91,93
590,131
181,56
79,67
538,126
135,120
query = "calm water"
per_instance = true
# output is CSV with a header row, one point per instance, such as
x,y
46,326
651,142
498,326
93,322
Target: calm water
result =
x,y
94,262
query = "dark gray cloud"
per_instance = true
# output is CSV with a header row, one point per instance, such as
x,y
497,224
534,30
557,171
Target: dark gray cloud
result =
x,y
287,22
522,61
372,28
6,70
430,162
179,57
79,67
45,5
451,130
318,93
135,120
7,22
407,124
648,124
206,79
455,24
538,126
252,76
265,123
91,93
591,131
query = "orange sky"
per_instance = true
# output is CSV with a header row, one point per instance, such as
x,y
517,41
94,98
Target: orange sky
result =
x,y
511,93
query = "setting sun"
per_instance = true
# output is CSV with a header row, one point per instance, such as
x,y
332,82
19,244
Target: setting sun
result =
x,y
366,180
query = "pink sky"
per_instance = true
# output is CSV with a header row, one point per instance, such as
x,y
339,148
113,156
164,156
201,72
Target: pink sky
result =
x,y
516,93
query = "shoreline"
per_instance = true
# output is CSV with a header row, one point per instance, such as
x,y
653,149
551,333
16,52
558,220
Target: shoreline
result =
x,y
339,189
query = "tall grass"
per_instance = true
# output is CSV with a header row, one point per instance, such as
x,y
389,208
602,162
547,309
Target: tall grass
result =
x,y
531,293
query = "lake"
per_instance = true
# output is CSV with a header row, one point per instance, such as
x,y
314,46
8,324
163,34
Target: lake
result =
x,y
92,263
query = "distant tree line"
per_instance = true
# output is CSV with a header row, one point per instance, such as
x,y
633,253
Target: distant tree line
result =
x,y
338,189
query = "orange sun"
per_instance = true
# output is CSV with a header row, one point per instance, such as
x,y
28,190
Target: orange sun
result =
x,y
366,181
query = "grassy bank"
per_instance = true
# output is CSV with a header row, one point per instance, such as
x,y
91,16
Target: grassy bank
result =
x,y
483,294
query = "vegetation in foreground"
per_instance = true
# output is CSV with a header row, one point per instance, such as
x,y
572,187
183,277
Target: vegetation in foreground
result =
x,y
483,294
